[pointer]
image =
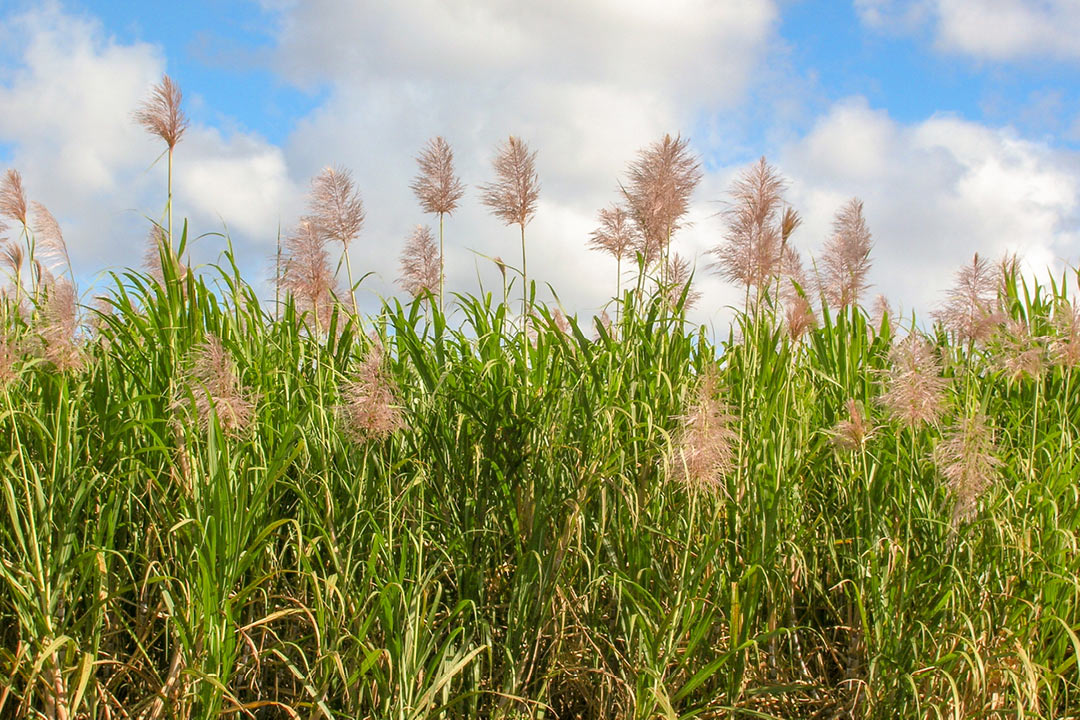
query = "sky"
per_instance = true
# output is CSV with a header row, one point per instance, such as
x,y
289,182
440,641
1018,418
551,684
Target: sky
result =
x,y
956,122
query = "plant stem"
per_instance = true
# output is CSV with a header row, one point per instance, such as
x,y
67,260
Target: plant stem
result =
x,y
618,287
168,206
442,264
524,276
348,271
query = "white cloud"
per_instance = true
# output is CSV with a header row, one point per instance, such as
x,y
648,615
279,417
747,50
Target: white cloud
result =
x,y
68,104
585,83
1008,29
935,193
986,29
67,109
240,179
702,47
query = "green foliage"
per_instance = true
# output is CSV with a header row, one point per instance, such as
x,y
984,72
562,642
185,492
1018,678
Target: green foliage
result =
x,y
520,546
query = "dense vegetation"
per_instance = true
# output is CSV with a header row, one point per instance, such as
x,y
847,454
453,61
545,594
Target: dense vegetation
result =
x,y
211,508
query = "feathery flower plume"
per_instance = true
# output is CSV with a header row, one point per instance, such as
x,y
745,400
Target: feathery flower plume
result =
x,y
677,274
1065,349
214,384
41,274
514,194
914,389
560,321
753,250
882,310
13,198
420,263
966,459
704,443
12,256
799,317
788,223
9,355
846,261
439,190
370,410
61,321
49,238
161,114
852,433
436,187
791,273
1021,352
970,312
658,191
615,236
306,273
156,241
338,213
336,207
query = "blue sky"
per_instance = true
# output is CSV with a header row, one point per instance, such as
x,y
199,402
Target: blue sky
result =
x,y
957,121
220,52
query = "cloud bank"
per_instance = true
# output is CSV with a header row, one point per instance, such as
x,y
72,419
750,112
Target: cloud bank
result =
x,y
587,84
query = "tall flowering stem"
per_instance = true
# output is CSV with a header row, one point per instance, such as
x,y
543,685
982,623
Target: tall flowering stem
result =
x,y
337,213
705,445
514,194
306,273
846,261
616,236
971,311
420,270
967,459
162,115
439,190
14,207
755,244
660,184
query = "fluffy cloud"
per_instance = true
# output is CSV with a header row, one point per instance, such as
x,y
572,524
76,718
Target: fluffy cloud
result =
x,y
68,108
69,98
935,193
684,46
586,84
239,179
988,29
